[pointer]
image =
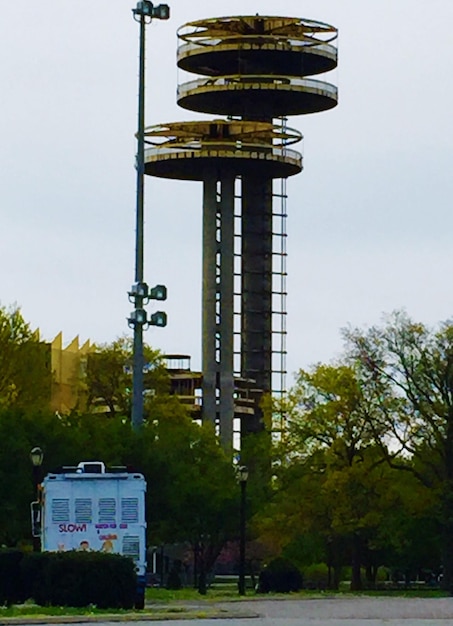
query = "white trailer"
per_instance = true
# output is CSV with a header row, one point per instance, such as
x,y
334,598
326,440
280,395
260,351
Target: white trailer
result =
x,y
89,508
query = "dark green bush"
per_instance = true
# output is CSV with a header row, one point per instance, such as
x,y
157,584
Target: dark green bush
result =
x,y
80,579
316,576
33,573
11,584
174,576
280,576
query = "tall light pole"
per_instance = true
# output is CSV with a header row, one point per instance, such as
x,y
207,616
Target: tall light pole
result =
x,y
242,475
140,293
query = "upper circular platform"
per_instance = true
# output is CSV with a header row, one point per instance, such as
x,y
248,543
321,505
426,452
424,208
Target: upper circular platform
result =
x,y
196,150
257,45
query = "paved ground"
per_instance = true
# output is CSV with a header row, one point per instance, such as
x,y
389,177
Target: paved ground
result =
x,y
382,611
357,610
353,612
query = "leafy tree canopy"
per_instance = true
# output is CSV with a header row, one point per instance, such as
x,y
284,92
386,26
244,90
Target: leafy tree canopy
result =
x,y
108,378
407,368
25,378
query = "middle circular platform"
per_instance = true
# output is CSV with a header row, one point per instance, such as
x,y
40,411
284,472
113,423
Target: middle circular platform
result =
x,y
266,96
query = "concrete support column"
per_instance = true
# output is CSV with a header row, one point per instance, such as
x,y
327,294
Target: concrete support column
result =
x,y
209,300
218,286
256,353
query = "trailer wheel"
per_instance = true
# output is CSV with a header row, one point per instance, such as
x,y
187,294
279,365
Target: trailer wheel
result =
x,y
140,601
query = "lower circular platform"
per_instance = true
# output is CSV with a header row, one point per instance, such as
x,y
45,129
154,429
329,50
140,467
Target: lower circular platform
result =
x,y
202,163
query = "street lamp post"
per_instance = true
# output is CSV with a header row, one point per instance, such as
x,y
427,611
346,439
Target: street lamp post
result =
x,y
36,457
243,475
140,293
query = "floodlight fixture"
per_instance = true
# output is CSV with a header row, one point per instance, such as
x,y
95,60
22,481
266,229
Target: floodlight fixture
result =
x,y
159,292
138,318
139,290
147,9
159,318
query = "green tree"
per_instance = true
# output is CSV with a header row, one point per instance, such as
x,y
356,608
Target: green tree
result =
x,y
331,414
192,493
408,540
20,431
25,377
408,369
108,380
332,480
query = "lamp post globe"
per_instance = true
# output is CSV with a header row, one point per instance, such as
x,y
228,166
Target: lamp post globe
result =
x,y
36,457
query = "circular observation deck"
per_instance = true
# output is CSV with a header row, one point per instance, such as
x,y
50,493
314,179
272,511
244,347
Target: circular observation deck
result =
x,y
197,150
265,96
257,45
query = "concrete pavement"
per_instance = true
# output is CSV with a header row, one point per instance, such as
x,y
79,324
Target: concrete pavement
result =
x,y
328,611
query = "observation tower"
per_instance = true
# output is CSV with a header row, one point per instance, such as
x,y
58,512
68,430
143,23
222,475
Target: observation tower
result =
x,y
255,71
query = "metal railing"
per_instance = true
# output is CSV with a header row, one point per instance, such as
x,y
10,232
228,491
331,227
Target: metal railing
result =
x,y
248,81
208,43
230,150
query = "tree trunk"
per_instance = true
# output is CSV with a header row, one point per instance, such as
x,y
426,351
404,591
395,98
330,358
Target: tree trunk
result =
x,y
356,579
251,569
202,584
201,567
336,559
336,577
447,548
196,561
447,506
371,574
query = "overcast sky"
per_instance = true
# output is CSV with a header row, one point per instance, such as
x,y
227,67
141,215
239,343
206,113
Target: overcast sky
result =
x,y
370,221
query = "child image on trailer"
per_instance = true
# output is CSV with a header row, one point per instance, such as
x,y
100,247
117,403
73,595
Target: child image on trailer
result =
x,y
87,537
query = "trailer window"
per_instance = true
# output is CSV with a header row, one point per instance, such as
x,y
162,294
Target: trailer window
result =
x,y
107,510
83,511
131,547
60,510
129,510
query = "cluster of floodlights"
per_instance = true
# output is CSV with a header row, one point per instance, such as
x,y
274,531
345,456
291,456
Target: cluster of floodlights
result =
x,y
140,294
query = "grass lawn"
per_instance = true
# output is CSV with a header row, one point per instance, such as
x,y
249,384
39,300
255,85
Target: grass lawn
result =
x,y
164,602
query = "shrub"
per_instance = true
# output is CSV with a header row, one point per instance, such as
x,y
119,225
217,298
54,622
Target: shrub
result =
x,y
281,576
80,579
316,576
33,574
174,576
11,584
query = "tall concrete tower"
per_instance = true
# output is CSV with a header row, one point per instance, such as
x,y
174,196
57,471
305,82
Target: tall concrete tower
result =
x,y
253,71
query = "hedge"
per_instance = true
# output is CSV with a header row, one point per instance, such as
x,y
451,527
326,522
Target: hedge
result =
x,y
68,579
